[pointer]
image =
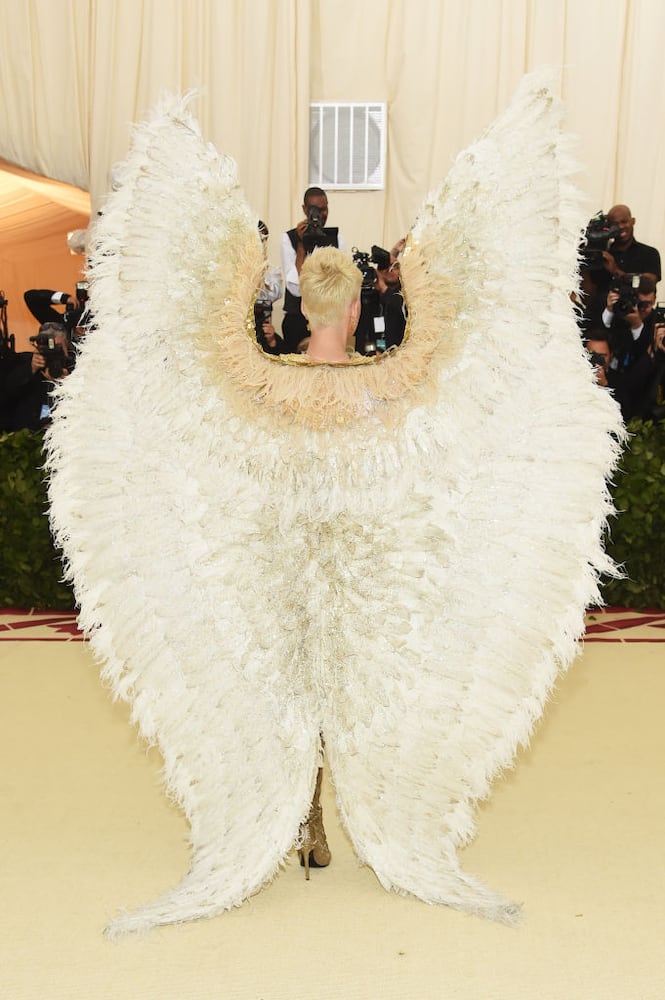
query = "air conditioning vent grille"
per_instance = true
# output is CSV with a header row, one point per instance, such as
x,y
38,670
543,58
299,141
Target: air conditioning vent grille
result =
x,y
347,145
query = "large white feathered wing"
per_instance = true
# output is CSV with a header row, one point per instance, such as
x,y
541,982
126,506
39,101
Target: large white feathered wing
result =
x,y
159,522
395,554
487,553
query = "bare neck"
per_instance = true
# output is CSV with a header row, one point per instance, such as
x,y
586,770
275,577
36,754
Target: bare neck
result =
x,y
327,344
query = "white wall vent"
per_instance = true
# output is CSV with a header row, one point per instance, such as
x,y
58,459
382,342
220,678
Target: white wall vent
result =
x,y
347,145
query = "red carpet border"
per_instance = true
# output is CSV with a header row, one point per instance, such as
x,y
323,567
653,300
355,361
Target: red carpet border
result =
x,y
605,625
39,626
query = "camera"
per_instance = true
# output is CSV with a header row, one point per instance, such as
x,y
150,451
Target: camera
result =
x,y
381,258
627,289
599,236
53,353
7,342
659,320
364,261
71,317
314,219
262,314
74,312
597,360
316,235
370,332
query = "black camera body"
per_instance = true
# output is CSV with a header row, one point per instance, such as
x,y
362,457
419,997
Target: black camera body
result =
x,y
380,257
316,235
314,219
597,360
71,317
658,315
74,313
626,303
627,289
370,339
53,353
364,262
262,313
658,320
599,236
7,341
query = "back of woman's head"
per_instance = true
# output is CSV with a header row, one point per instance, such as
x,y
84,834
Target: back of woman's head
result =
x,y
329,283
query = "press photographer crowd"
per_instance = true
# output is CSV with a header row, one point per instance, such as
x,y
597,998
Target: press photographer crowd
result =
x,y
621,323
27,377
383,312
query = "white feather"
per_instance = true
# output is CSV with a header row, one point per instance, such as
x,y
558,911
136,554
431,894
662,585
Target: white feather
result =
x,y
410,594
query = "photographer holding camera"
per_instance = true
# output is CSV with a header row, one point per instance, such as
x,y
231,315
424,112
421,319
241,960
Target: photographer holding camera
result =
x,y
29,384
635,327
641,391
626,256
41,303
628,316
610,257
600,355
389,284
611,252
383,312
266,335
295,246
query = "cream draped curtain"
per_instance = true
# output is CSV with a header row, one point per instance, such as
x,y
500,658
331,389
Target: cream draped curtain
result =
x,y
75,73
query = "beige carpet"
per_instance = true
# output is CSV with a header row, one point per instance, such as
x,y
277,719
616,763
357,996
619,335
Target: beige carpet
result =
x,y
576,832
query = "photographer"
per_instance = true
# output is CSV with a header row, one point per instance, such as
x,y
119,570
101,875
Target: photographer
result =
x,y
7,360
619,255
598,348
266,335
626,255
628,316
296,245
621,384
389,284
29,384
41,303
642,389
383,313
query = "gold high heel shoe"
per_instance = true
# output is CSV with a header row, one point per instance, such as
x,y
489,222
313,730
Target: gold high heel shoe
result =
x,y
314,851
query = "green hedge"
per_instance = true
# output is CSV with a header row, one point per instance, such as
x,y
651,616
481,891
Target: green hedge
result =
x,y
31,573
30,570
637,534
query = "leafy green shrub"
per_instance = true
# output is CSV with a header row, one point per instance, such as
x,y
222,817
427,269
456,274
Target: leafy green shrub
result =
x,y
30,570
637,535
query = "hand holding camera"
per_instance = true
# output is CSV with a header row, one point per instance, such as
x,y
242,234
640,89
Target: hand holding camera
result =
x,y
623,299
599,362
51,355
658,344
315,219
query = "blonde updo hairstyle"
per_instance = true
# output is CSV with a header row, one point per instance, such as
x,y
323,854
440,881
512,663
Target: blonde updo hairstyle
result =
x,y
329,283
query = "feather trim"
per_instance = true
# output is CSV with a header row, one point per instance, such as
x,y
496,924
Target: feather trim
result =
x,y
396,555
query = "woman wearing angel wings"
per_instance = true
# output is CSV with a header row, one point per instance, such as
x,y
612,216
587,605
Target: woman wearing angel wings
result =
x,y
392,554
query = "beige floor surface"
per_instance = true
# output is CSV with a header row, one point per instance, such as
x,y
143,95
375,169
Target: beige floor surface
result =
x,y
576,832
